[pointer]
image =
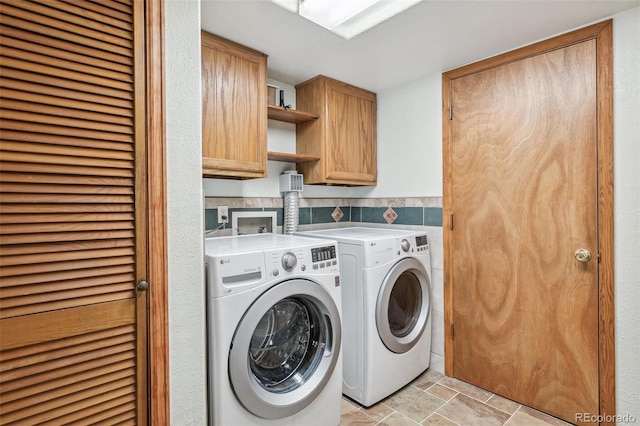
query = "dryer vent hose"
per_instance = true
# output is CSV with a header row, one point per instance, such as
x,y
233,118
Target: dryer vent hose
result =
x,y
291,218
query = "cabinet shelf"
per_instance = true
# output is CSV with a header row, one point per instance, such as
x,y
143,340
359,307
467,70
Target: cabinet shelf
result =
x,y
290,158
289,115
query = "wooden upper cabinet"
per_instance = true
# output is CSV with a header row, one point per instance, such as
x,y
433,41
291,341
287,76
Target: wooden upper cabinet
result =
x,y
234,109
344,137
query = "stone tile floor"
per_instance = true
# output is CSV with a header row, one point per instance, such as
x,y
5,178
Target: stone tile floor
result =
x,y
433,399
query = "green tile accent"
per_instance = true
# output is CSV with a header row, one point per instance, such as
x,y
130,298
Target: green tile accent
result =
x,y
210,219
373,214
356,214
347,214
433,216
408,215
304,216
323,215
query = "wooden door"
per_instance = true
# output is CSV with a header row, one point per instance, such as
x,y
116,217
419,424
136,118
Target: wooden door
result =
x,y
234,109
523,163
73,326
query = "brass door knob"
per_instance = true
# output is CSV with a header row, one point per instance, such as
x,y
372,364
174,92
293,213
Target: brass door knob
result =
x,y
582,255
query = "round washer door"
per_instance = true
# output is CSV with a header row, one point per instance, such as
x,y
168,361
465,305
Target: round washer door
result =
x,y
285,349
403,305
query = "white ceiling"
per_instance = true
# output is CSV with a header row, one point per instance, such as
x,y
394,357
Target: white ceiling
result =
x,y
426,39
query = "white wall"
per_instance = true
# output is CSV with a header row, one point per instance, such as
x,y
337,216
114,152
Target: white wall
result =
x,y
626,95
187,356
409,141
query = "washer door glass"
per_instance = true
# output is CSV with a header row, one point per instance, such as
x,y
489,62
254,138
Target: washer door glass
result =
x,y
402,310
286,345
285,349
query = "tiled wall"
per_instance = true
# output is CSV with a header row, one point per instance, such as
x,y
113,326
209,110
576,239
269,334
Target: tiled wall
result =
x,y
423,214
388,211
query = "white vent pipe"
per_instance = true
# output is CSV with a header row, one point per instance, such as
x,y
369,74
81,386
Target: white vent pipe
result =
x,y
291,184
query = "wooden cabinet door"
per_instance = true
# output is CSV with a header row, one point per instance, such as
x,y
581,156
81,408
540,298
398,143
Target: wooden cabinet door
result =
x,y
351,134
234,109
73,326
344,135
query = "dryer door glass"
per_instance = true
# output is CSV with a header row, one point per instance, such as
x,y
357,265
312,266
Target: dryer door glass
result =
x,y
286,346
403,306
405,301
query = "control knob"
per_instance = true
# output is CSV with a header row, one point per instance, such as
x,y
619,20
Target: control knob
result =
x,y
289,261
405,245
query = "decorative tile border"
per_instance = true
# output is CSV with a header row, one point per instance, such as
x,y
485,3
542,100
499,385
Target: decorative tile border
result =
x,y
425,211
396,202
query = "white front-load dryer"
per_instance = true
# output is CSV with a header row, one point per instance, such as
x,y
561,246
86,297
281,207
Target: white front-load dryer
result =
x,y
386,299
274,330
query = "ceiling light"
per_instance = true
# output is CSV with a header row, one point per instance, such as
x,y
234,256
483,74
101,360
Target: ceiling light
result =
x,y
347,18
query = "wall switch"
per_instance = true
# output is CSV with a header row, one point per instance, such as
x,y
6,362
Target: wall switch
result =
x,y
223,214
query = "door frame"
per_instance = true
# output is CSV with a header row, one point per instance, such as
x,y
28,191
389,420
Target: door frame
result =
x,y
156,221
602,34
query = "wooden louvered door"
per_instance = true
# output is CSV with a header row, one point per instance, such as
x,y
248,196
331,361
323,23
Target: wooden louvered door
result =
x,y
73,339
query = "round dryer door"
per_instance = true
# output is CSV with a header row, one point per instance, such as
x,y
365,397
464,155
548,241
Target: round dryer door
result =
x,y
285,349
402,310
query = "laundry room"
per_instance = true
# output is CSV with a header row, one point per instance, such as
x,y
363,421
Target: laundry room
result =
x,y
319,212
399,184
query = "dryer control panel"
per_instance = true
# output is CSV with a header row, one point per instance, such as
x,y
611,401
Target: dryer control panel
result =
x,y
385,250
422,243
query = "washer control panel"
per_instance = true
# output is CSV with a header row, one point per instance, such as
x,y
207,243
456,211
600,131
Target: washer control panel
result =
x,y
321,259
324,257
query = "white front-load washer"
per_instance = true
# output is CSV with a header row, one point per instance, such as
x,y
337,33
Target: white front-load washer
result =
x,y
274,330
386,299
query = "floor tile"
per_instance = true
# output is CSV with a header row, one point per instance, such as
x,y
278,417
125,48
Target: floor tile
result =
x,y
414,403
526,416
443,392
427,379
437,420
397,419
356,418
378,411
465,410
348,406
503,404
465,388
